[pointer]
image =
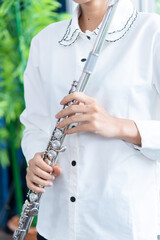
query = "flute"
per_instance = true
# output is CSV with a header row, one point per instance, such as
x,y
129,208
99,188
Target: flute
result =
x,y
55,145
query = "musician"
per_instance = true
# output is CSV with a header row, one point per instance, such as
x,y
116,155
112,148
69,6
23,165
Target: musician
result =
x,y
106,185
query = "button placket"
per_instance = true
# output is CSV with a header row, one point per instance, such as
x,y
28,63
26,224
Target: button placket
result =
x,y
74,157
73,185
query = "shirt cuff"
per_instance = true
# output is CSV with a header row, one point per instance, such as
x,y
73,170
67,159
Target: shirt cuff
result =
x,y
150,138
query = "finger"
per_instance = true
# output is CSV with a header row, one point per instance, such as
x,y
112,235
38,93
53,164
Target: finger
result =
x,y
39,181
57,170
47,161
72,110
35,188
42,174
39,162
74,119
80,128
79,96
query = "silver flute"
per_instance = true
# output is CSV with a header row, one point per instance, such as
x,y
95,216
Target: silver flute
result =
x,y
55,145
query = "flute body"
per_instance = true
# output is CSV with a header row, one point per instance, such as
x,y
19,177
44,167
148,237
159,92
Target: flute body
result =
x,y
55,145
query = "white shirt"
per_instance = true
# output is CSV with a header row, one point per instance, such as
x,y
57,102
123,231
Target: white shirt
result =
x,y
114,186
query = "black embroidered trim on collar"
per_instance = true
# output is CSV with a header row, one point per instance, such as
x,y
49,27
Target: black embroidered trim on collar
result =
x,y
60,42
65,42
67,34
68,30
122,29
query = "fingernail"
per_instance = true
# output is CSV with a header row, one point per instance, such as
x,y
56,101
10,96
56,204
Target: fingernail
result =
x,y
42,190
53,177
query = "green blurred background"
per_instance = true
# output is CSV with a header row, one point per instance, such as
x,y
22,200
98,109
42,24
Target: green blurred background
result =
x,y
158,6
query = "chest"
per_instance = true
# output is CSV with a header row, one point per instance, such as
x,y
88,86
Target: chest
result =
x,y
121,81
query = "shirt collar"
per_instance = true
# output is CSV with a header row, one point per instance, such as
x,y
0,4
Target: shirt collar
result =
x,y
124,18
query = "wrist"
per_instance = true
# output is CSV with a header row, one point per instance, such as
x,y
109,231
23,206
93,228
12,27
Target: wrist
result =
x,y
119,128
127,130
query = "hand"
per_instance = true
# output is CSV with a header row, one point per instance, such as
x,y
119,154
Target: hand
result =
x,y
38,173
94,117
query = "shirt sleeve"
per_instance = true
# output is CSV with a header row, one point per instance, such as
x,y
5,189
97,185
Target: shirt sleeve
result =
x,y
35,117
150,129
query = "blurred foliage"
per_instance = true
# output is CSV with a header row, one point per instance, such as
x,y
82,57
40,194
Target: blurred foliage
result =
x,y
158,6
19,22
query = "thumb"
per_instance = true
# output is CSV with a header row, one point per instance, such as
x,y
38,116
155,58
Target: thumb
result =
x,y
56,170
